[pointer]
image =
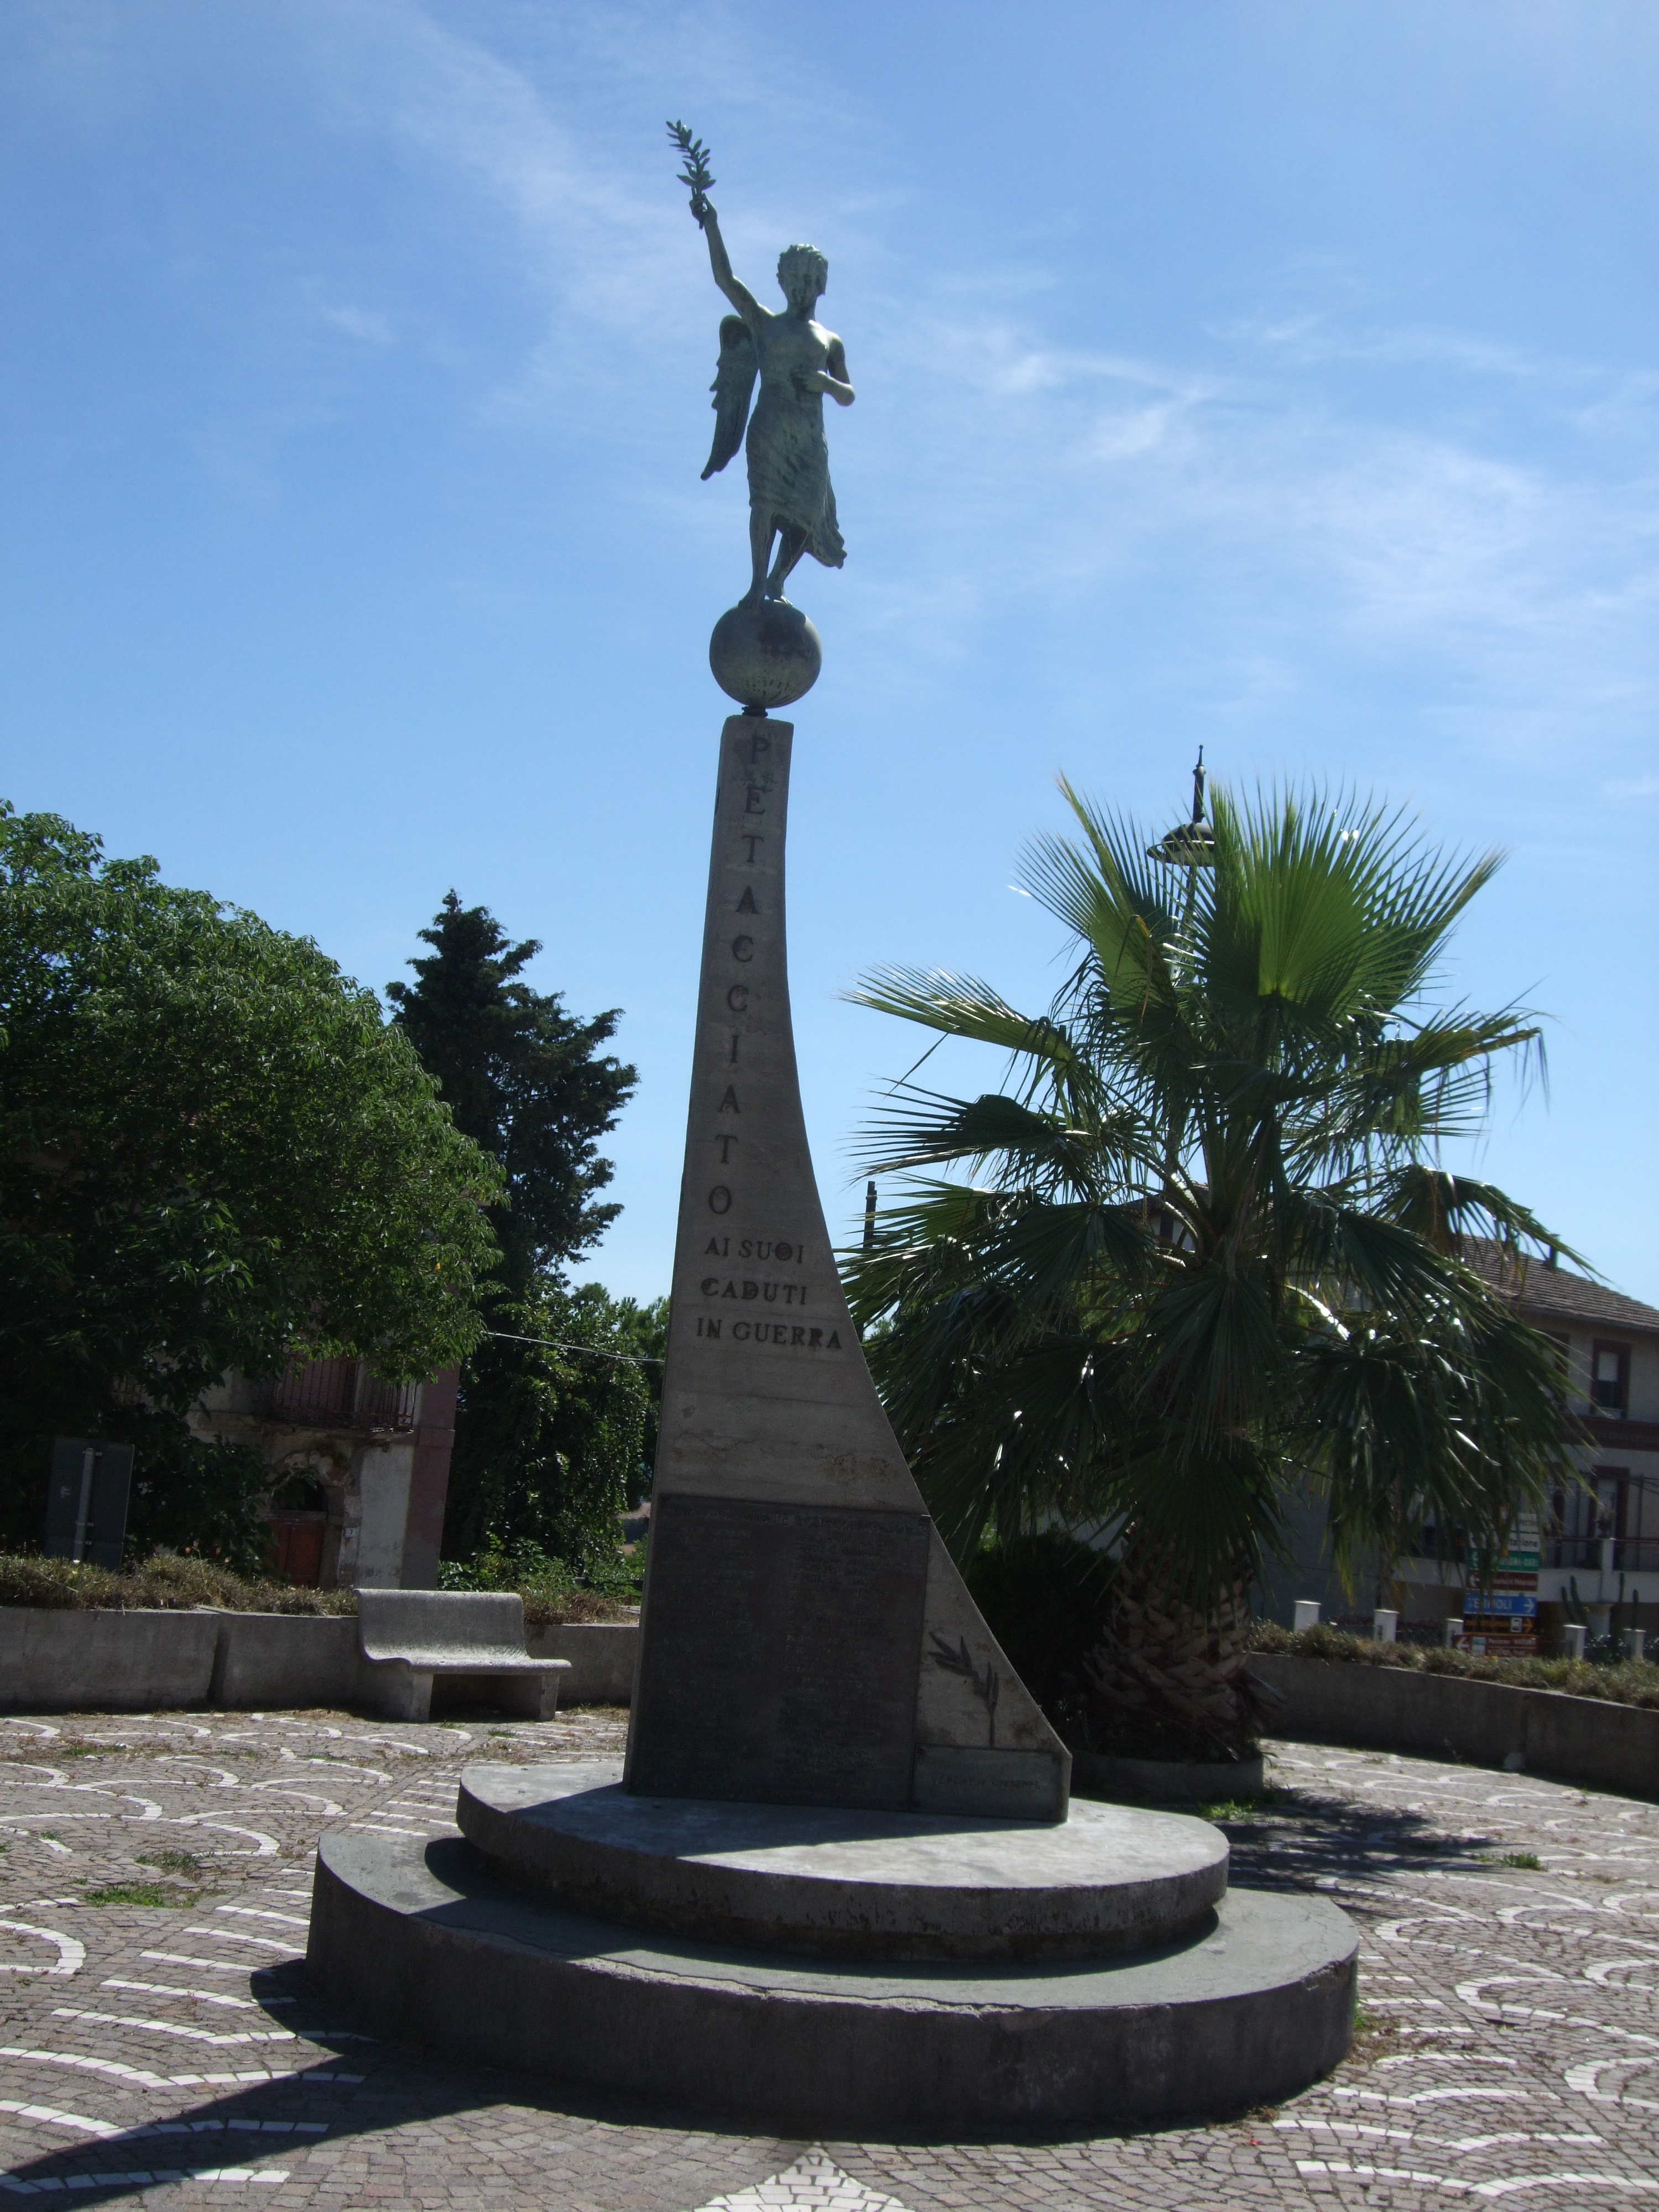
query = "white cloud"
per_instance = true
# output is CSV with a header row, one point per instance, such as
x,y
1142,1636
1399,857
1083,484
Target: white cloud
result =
x,y
1488,538
1494,520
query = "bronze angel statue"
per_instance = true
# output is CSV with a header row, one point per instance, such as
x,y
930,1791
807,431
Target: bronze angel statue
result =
x,y
799,364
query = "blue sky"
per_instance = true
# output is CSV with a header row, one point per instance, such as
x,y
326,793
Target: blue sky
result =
x,y
1279,376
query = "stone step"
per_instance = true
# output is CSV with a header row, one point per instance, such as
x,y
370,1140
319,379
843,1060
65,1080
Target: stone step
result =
x,y
428,1945
834,1881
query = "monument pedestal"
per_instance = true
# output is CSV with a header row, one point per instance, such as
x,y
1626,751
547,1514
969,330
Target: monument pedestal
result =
x,y
840,1881
430,1942
834,1883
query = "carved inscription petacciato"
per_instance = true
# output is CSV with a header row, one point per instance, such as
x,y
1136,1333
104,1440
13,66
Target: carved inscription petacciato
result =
x,y
736,1290
745,943
756,787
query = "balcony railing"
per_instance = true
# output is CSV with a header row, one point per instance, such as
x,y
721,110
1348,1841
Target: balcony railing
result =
x,y
342,1393
1627,1555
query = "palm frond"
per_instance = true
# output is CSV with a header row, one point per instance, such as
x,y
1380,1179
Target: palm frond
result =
x,y
1459,1421
1208,1517
1345,901
957,1006
1445,1209
1211,1344
1206,1256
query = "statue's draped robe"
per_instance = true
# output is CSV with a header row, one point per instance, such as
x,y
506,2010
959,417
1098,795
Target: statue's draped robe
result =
x,y
789,462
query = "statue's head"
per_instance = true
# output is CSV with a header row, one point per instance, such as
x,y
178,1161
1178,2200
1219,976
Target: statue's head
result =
x,y
803,274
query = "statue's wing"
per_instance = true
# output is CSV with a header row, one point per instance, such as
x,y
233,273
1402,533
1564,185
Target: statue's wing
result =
x,y
733,387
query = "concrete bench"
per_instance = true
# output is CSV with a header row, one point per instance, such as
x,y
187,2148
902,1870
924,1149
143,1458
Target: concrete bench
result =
x,y
472,1641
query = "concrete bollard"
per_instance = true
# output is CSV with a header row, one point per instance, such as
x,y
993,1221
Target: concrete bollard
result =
x,y
1575,1632
1635,1639
1307,1613
1384,1625
1454,1629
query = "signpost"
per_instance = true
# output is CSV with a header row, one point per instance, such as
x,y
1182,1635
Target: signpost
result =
x,y
1500,1612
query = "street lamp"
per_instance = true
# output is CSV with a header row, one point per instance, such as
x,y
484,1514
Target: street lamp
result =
x,y
1189,844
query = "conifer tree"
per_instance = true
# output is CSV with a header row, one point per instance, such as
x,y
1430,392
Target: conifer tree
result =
x,y
550,1428
522,1078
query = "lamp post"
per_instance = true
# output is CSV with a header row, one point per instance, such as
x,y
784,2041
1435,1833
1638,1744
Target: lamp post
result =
x,y
1189,845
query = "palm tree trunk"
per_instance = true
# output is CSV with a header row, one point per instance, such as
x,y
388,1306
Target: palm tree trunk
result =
x,y
1170,1680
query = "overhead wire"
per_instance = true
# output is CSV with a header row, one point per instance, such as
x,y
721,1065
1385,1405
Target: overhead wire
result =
x,y
627,1358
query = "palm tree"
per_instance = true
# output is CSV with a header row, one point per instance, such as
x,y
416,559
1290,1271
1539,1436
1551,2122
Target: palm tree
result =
x,y
1205,1253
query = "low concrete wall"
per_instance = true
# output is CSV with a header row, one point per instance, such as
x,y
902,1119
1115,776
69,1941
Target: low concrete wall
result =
x,y
80,1660
601,1655
284,1659
105,1661
1587,1739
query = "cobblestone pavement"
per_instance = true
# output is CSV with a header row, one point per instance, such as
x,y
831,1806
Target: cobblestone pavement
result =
x,y
173,2050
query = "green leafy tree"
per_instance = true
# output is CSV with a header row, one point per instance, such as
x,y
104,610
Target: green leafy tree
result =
x,y
1206,1251
547,1444
549,1449
213,1154
524,1079
644,1330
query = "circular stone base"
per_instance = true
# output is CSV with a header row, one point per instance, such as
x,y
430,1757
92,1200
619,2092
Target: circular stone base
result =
x,y
836,1883
765,656
427,1946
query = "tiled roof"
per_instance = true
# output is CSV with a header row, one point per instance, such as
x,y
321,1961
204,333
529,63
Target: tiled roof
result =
x,y
1547,1293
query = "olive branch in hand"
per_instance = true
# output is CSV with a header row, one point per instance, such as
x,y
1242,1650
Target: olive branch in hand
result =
x,y
697,176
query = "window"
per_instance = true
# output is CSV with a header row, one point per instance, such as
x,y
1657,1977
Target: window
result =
x,y
302,1493
1609,1379
1611,1491
1561,1344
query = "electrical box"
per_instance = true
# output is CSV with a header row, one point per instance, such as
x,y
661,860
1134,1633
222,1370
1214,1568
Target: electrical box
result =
x,y
86,1500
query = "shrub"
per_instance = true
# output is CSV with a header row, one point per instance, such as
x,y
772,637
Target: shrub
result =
x,y
1636,1682
171,1582
1044,1600
552,1590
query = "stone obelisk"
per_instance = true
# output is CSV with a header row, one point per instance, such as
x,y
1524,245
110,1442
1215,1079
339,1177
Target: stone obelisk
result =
x,y
805,1638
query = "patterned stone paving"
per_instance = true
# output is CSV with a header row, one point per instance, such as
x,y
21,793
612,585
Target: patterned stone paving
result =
x,y
174,2051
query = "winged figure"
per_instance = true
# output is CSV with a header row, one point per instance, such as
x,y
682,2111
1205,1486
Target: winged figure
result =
x,y
798,364
733,388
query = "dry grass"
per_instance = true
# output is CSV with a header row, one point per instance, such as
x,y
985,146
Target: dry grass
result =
x,y
1633,1682
167,1581
171,1581
556,1608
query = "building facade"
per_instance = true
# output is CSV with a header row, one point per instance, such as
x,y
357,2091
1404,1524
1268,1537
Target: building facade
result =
x,y
1598,1546
360,1469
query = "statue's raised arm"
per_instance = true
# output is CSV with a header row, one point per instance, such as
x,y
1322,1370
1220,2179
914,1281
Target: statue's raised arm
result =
x,y
798,365
720,261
